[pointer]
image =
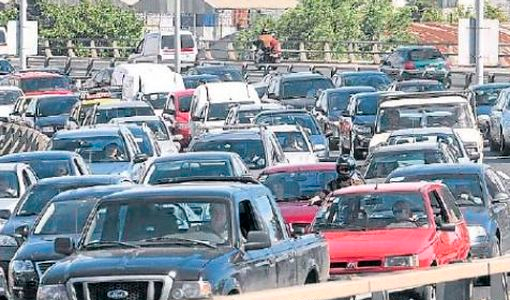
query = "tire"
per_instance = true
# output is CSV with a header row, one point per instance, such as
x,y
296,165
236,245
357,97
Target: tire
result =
x,y
504,149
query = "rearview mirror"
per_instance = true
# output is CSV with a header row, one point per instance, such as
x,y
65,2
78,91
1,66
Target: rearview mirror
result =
x,y
474,156
140,158
5,214
64,246
449,227
22,231
257,240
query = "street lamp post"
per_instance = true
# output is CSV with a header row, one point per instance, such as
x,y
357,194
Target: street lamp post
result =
x,y
22,32
479,40
177,36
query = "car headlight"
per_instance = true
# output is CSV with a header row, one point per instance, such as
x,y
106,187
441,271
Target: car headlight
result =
x,y
22,266
191,290
362,129
8,241
52,292
477,234
402,261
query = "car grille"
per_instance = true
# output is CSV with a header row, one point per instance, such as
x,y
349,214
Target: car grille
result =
x,y
124,288
43,266
356,264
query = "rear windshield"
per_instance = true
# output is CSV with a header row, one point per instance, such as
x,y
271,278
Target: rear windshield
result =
x,y
167,41
378,81
105,115
5,66
45,84
424,54
367,106
185,103
54,106
9,97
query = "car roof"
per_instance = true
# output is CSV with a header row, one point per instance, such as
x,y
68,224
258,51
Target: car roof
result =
x,y
361,73
91,192
107,130
437,169
200,76
263,106
418,81
35,74
138,119
488,86
325,166
10,88
216,67
206,155
414,47
83,180
123,104
422,146
284,112
198,189
11,166
367,95
427,130
385,187
46,155
351,89
451,99
301,75
231,135
284,128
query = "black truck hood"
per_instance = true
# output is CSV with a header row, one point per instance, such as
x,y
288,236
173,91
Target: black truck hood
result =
x,y
188,263
299,103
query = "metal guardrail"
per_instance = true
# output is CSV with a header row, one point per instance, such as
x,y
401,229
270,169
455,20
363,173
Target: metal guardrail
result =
x,y
16,138
453,282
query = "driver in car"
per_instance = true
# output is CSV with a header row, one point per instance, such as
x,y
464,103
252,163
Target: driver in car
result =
x,y
112,152
219,223
293,144
5,188
402,211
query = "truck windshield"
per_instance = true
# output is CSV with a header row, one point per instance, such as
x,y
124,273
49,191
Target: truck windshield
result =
x,y
55,106
66,217
375,211
179,222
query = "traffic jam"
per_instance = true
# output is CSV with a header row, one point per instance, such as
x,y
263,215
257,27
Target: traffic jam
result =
x,y
163,185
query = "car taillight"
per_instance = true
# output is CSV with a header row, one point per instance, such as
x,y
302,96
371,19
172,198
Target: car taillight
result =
x,y
409,65
187,50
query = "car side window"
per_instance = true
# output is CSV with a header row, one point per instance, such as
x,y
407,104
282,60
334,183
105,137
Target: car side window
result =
x,y
492,185
449,200
270,219
272,88
247,219
440,213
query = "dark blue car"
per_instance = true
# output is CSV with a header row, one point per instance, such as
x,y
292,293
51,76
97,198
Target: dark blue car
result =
x,y
34,200
483,97
482,196
63,216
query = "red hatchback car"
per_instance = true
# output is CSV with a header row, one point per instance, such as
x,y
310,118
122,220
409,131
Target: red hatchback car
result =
x,y
391,227
40,83
178,107
293,186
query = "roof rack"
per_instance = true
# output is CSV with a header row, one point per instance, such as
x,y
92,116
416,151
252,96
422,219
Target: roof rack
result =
x,y
242,179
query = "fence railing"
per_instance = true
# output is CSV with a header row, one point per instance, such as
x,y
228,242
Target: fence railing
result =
x,y
16,138
453,282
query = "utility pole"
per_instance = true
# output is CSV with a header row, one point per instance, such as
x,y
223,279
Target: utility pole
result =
x,y
177,36
479,40
22,30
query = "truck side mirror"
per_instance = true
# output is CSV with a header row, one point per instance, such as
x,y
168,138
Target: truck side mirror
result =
x,y
22,231
257,240
64,246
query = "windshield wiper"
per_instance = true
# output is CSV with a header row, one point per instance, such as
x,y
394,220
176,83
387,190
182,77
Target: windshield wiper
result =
x,y
183,241
106,244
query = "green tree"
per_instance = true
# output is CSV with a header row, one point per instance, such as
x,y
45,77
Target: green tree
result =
x,y
495,13
8,14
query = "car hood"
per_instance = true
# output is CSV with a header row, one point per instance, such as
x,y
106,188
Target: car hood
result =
x,y
475,215
298,211
188,263
376,243
483,110
41,248
298,103
52,121
16,222
365,120
110,168
8,203
379,138
301,157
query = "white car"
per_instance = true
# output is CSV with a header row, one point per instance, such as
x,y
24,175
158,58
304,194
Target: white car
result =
x,y
8,97
166,142
427,110
295,143
15,180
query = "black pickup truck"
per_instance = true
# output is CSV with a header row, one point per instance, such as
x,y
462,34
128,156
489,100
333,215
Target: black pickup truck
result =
x,y
185,241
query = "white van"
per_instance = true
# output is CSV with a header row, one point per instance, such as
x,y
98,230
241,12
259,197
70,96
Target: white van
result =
x,y
211,103
162,44
148,82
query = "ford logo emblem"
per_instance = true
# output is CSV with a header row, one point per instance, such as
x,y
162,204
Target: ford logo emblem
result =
x,y
117,294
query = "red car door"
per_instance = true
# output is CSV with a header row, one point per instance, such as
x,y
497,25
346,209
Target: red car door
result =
x,y
445,242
